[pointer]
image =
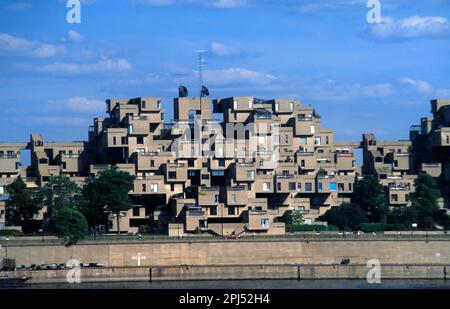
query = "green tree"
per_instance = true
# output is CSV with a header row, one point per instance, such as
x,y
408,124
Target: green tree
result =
x,y
92,205
347,216
70,225
109,191
371,197
60,192
425,201
23,203
292,217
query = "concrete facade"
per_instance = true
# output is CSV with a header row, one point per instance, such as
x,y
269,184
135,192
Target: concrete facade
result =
x,y
195,175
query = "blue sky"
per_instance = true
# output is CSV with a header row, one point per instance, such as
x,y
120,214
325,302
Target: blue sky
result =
x,y
361,77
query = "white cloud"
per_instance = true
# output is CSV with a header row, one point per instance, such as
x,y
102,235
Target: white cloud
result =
x,y
41,50
237,75
228,4
222,50
47,50
74,36
20,6
420,86
11,43
408,28
76,104
104,65
443,93
217,4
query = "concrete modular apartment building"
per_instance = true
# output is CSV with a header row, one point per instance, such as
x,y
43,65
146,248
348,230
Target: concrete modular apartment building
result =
x,y
192,177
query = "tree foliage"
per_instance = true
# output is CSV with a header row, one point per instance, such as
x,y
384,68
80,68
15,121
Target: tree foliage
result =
x,y
23,204
369,194
70,225
347,216
108,192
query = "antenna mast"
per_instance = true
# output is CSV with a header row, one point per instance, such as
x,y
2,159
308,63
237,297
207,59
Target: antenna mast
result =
x,y
201,64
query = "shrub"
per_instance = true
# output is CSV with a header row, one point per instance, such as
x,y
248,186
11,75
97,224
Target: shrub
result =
x,y
10,233
374,227
312,227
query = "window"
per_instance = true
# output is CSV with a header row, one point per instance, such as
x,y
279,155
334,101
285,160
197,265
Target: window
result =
x,y
302,163
303,140
341,187
158,104
265,222
308,186
213,211
276,139
140,140
216,198
143,105
205,164
292,186
162,116
299,186
172,175
136,212
63,165
144,187
231,210
250,174
18,165
191,163
154,187
218,173
313,129
250,103
320,187
2,190
152,163
262,140
114,140
327,139
203,224
447,138
266,186
235,104
279,186
191,173
350,186
394,197
317,140
233,198
333,186
205,176
277,106
222,163
130,128
291,106
286,139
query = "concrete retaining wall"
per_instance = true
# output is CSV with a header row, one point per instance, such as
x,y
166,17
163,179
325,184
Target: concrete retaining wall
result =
x,y
238,252
237,272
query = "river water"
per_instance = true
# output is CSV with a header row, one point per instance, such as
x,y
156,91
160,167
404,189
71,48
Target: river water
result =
x,y
256,284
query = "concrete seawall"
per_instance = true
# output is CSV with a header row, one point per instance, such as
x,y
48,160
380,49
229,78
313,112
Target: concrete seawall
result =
x,y
233,252
236,272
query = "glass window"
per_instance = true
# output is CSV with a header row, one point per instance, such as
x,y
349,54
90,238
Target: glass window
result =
x,y
333,186
136,211
231,210
144,187
291,106
213,211
233,198
154,187
265,222
308,186
172,175
266,186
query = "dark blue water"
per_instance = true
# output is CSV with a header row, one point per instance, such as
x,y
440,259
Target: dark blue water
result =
x,y
256,284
